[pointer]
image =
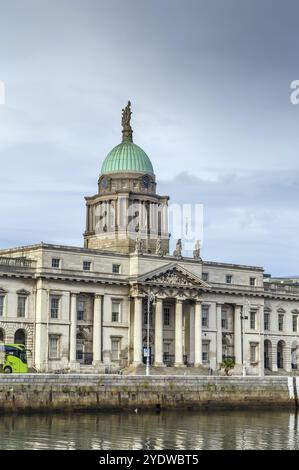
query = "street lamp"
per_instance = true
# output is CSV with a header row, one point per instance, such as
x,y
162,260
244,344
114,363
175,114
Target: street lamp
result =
x,y
150,298
243,317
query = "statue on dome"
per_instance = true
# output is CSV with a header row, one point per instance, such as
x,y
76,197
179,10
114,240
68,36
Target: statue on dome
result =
x,y
126,117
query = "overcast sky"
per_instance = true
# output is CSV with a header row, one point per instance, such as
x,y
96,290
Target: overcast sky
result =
x,y
209,83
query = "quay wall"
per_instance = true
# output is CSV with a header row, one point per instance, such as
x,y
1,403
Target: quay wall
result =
x,y
70,392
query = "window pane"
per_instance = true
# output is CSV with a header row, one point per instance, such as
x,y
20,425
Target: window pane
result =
x,y
166,314
116,268
80,309
252,320
1,305
55,262
115,349
115,311
295,322
280,322
53,347
205,316
86,265
21,306
54,307
266,321
253,353
205,351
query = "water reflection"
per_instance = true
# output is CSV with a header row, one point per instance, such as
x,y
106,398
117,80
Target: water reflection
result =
x,y
145,430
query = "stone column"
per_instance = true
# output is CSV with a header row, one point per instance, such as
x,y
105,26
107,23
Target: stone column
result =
x,y
197,335
178,361
159,333
73,329
287,365
262,342
191,333
137,357
238,334
261,357
219,333
97,330
274,356
41,334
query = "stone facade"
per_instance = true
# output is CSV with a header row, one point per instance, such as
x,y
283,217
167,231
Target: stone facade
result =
x,y
72,318
87,308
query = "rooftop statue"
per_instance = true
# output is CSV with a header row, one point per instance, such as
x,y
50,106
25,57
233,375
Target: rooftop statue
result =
x,y
196,252
178,249
126,122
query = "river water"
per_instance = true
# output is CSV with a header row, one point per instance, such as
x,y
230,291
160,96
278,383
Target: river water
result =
x,y
147,430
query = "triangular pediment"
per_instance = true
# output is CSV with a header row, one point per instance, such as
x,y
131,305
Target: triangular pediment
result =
x,y
173,275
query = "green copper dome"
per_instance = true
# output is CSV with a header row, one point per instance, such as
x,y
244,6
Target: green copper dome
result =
x,y
127,157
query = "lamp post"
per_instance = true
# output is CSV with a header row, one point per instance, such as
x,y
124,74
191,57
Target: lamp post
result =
x,y
150,298
243,317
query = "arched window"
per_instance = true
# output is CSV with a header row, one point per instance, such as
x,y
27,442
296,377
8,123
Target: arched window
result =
x,y
2,335
280,354
20,337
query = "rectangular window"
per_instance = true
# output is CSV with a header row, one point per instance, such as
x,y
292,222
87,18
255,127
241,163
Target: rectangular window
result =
x,y
80,309
252,281
1,305
115,343
54,307
205,351
252,320
280,322
116,268
55,263
205,276
228,279
252,353
266,321
166,316
54,346
86,265
224,322
205,316
115,311
21,305
295,323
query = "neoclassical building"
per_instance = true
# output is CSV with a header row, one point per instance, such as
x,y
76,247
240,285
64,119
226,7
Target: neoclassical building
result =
x,y
88,309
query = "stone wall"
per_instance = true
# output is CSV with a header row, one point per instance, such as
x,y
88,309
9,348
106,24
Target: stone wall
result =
x,y
49,392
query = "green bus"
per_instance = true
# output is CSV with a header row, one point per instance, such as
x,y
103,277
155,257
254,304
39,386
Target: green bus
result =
x,y
13,359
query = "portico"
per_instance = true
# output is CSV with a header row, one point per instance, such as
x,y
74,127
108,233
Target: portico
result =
x,y
177,305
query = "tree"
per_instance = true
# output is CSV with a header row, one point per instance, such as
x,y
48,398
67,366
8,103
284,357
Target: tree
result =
x,y
227,364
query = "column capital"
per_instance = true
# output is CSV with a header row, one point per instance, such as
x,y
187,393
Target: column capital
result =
x,y
98,296
178,300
